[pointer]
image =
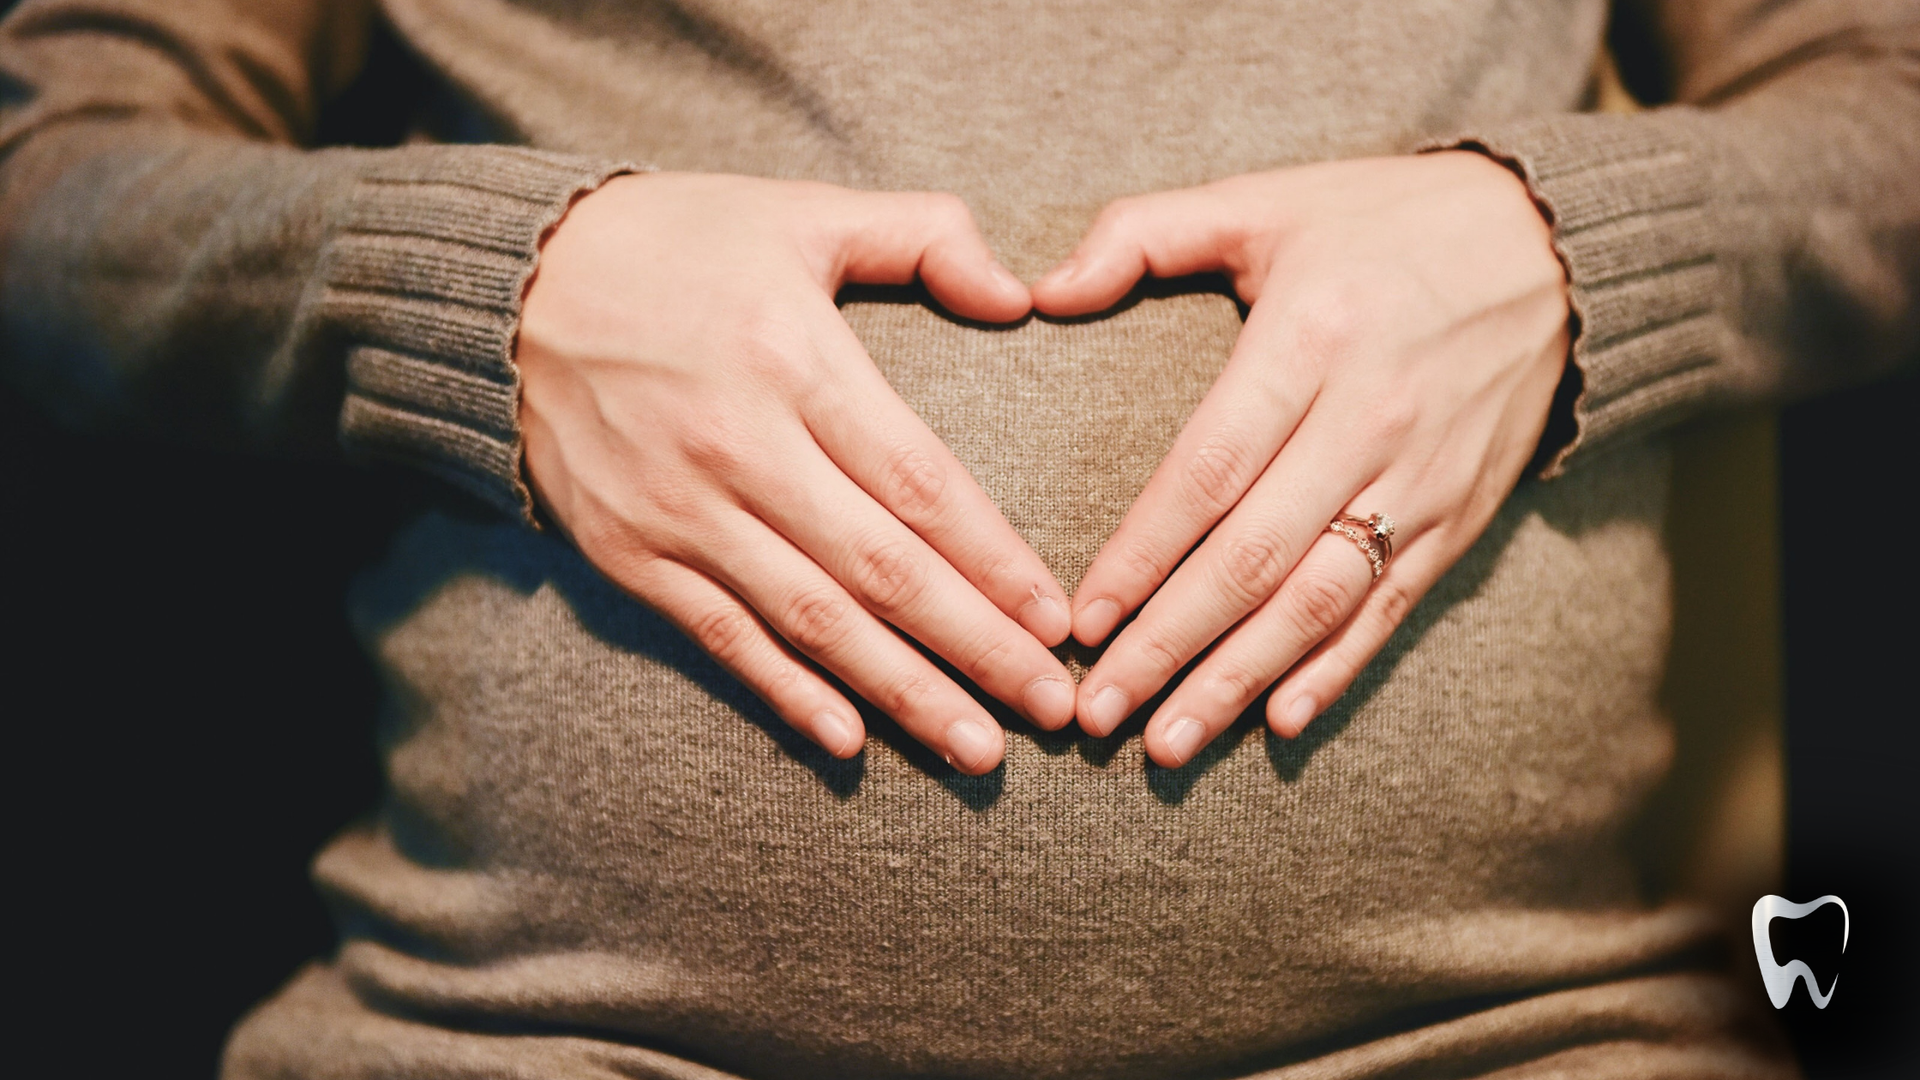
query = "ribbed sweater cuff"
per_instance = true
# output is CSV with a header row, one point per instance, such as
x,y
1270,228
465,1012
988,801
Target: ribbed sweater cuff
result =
x,y
424,278
1627,197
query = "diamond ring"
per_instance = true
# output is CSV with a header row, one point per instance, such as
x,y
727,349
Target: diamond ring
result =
x,y
1372,534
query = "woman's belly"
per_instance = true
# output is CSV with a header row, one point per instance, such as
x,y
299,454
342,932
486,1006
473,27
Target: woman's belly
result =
x,y
593,829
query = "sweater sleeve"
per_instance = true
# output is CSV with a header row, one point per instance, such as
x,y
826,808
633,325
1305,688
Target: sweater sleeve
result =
x,y
1756,238
173,257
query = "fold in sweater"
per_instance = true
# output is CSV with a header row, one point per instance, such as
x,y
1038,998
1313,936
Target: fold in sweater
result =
x,y
600,856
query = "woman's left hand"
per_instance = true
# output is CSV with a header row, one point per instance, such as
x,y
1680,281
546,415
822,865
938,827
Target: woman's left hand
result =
x,y
1408,328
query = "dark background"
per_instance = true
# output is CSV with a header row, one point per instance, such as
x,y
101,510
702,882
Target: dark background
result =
x,y
190,719
1853,779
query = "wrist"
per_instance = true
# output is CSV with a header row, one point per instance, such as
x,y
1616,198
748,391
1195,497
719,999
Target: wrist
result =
x,y
1560,427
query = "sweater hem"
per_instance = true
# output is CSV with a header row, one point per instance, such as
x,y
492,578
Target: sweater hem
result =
x,y
1627,199
424,279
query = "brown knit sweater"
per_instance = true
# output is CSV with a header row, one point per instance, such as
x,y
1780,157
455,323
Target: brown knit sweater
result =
x,y
599,856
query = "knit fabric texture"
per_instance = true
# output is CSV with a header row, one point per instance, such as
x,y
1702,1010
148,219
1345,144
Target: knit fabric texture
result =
x,y
600,856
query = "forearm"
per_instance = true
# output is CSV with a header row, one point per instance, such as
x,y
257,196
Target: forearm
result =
x,y
272,297
174,260
1760,242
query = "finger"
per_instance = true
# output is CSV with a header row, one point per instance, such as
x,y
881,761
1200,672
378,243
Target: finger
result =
x,y
1167,234
1233,571
895,575
1314,600
1327,672
719,623
890,238
874,438
1231,437
820,619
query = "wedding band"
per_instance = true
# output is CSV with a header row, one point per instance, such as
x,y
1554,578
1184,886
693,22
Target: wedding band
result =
x,y
1372,534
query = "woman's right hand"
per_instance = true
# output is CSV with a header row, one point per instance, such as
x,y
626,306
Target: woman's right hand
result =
x,y
701,421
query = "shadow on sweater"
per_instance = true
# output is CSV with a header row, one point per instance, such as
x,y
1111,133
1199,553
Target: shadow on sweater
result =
x,y
472,540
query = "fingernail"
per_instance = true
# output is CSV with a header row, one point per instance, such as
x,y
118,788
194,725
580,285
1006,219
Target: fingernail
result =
x,y
1096,621
1058,276
1184,737
1298,712
1046,618
1005,277
1049,702
834,733
971,745
1108,708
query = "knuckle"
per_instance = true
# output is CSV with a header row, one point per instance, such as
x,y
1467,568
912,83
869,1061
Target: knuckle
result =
x,y
1235,684
717,446
1158,654
948,210
785,680
1218,471
816,620
1391,417
612,541
999,574
1117,218
985,658
1331,324
905,695
772,351
726,635
1141,561
1320,601
678,496
1252,564
890,575
1395,602
913,483
625,540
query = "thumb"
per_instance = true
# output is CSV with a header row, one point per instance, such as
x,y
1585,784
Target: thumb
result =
x,y
1169,234
894,237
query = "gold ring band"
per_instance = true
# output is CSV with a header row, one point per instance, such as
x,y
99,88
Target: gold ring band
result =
x,y
1372,534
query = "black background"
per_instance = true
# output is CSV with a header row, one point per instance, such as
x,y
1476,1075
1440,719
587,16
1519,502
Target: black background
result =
x,y
1848,485
189,719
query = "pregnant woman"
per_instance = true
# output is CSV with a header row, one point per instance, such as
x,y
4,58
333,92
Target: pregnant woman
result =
x,y
739,723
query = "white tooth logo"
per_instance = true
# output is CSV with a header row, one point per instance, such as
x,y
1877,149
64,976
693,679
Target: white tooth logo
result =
x,y
1779,978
